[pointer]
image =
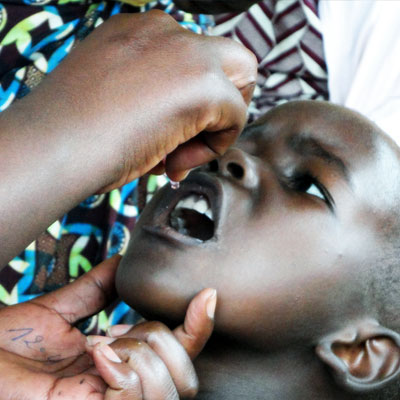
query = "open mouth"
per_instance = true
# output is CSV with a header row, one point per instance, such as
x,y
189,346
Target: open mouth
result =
x,y
193,217
187,216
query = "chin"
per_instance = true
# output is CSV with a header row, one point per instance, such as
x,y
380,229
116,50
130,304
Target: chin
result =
x,y
177,229
150,280
141,286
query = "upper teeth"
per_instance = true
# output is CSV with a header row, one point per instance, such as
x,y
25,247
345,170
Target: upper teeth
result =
x,y
197,203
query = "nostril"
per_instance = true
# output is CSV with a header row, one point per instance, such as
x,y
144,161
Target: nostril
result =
x,y
213,166
235,170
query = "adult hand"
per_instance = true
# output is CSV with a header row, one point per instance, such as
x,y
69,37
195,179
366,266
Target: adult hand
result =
x,y
43,356
140,87
148,361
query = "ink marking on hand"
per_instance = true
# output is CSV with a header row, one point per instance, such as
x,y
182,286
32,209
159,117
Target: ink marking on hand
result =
x,y
38,339
26,331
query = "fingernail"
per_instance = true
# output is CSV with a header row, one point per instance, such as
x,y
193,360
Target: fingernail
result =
x,y
92,340
118,330
109,353
211,304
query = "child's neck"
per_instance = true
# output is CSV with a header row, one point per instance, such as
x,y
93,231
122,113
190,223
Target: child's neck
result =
x,y
232,372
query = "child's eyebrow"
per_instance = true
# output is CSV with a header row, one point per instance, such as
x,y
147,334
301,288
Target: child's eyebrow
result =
x,y
306,145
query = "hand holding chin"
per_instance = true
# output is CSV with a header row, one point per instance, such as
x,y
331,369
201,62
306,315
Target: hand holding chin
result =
x,y
149,360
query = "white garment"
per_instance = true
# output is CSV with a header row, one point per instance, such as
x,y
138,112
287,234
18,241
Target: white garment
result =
x,y
362,52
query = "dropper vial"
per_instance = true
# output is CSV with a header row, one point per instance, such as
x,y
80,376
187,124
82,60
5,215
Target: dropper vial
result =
x,y
174,185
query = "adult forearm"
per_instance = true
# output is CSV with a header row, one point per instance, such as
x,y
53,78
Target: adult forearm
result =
x,y
46,169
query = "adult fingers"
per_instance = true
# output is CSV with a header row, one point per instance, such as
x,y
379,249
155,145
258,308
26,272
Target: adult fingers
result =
x,y
38,385
188,155
186,343
192,334
221,123
239,65
199,322
162,341
123,382
87,295
232,98
131,366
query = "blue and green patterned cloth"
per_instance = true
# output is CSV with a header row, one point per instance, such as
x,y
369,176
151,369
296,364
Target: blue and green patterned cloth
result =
x,y
35,36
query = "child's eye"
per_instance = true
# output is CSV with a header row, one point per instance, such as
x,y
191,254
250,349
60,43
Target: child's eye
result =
x,y
310,185
314,190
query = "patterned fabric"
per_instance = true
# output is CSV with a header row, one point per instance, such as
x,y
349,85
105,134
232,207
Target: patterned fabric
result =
x,y
286,38
35,36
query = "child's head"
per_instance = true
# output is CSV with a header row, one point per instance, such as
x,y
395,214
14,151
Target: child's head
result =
x,y
298,229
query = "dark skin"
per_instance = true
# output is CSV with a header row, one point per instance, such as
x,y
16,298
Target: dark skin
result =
x,y
296,226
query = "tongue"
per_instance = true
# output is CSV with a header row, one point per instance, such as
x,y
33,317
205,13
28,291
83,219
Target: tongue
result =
x,y
191,223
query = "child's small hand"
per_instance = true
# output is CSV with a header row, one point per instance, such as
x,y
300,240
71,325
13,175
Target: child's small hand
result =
x,y
149,361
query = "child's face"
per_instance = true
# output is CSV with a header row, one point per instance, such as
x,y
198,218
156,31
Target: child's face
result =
x,y
296,208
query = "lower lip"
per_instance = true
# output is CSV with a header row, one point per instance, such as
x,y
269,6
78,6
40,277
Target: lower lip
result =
x,y
171,236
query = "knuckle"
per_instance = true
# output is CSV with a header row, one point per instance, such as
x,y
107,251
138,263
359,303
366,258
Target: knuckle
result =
x,y
155,13
161,20
252,61
156,326
115,19
158,335
126,347
133,379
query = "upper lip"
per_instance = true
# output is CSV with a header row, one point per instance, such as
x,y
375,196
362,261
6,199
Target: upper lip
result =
x,y
201,183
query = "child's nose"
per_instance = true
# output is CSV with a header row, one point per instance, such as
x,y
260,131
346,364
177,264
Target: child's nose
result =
x,y
237,165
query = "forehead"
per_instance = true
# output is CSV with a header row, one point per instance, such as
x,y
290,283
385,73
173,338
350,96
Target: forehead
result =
x,y
337,138
318,124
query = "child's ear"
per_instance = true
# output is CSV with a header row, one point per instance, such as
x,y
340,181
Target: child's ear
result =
x,y
362,357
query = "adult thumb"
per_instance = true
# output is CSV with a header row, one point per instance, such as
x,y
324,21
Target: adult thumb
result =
x,y
199,322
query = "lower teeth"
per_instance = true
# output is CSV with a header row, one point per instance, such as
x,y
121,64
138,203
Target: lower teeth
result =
x,y
191,223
